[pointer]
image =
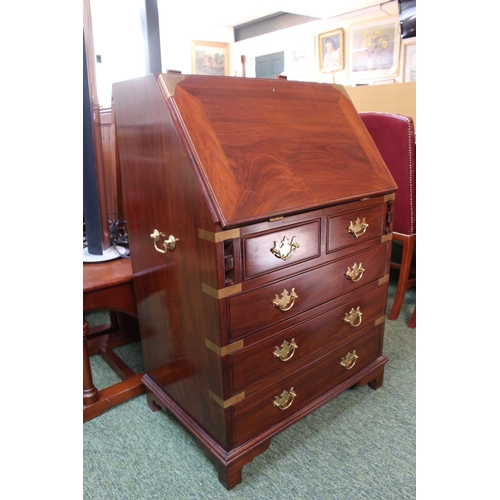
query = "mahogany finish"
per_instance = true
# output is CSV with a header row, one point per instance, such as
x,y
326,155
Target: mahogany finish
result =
x,y
236,170
108,286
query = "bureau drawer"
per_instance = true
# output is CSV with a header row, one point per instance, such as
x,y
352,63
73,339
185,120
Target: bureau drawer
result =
x,y
283,351
265,252
257,309
353,227
257,413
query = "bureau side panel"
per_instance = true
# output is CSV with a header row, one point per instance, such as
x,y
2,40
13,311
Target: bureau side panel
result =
x,y
161,192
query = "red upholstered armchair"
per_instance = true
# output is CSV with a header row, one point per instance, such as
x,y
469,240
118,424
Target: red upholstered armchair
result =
x,y
394,136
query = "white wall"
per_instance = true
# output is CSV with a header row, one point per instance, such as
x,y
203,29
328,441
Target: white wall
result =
x,y
118,39
176,39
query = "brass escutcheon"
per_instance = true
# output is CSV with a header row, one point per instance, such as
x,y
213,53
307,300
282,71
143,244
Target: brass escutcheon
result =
x,y
285,249
349,361
358,228
356,273
286,351
352,316
287,300
168,244
285,400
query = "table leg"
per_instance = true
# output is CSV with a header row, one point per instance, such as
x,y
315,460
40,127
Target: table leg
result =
x,y
89,390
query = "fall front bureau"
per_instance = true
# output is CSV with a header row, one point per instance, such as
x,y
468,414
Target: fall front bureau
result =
x,y
260,221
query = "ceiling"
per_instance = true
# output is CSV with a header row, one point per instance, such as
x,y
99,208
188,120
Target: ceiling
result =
x,y
231,13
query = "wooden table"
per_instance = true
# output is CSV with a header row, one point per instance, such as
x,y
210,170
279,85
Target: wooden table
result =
x,y
108,286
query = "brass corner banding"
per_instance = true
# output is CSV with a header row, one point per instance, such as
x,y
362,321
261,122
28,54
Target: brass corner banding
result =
x,y
169,82
380,321
218,237
228,402
223,292
386,237
223,351
384,279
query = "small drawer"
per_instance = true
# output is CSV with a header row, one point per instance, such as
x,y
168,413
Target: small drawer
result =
x,y
353,227
272,405
280,301
290,347
265,252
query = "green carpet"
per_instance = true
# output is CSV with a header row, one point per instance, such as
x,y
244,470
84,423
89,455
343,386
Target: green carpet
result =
x,y
360,445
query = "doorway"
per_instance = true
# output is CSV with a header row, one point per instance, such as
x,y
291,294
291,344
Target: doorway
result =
x,y
270,65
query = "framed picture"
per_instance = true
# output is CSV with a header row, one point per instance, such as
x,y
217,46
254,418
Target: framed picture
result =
x,y
374,49
210,58
410,63
331,51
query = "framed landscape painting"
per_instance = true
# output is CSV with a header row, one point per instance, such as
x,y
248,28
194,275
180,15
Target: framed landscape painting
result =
x,y
210,58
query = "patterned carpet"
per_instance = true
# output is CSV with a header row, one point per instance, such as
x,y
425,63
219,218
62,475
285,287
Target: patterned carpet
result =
x,y
361,445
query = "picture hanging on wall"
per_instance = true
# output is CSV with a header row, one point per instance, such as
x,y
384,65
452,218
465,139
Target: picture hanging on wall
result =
x,y
331,51
374,49
210,58
410,64
301,60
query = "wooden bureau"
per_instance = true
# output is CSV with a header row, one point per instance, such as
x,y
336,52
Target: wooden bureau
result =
x,y
260,217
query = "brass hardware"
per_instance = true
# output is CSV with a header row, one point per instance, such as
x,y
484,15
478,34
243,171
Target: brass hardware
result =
x,y
228,402
352,316
168,244
356,273
358,228
286,249
286,351
218,237
349,361
286,302
285,400
223,292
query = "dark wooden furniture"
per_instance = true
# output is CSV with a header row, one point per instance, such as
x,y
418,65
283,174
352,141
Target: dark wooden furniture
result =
x,y
394,136
260,221
108,286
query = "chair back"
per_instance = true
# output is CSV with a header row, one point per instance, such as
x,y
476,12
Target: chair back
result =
x,y
394,136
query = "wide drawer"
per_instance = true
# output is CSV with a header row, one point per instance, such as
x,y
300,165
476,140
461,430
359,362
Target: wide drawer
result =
x,y
257,309
268,251
284,351
353,227
271,405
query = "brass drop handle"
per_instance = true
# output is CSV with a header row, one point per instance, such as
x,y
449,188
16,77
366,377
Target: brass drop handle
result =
x,y
356,273
353,317
349,361
286,301
286,248
168,244
357,228
286,351
285,400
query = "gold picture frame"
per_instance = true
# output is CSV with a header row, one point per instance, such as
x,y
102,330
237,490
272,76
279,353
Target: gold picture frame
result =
x,y
331,51
210,58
